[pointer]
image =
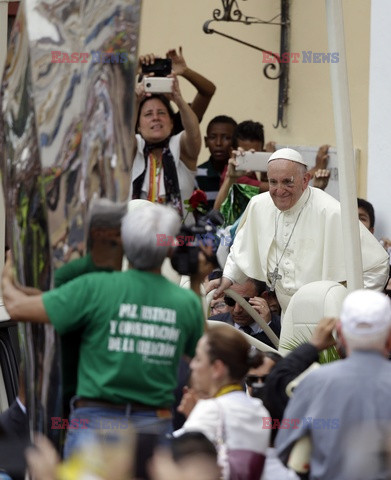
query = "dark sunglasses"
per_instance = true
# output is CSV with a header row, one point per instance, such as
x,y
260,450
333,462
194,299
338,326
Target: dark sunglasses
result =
x,y
251,379
231,302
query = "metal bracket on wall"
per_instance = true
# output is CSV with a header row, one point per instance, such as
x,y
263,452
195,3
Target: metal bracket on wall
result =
x,y
276,69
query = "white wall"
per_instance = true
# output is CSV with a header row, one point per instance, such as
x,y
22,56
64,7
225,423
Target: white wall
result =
x,y
242,90
379,129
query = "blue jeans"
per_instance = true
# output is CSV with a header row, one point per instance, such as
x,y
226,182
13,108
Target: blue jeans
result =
x,y
87,422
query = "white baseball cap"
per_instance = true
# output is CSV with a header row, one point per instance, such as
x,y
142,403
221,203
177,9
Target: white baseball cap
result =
x,y
365,312
287,154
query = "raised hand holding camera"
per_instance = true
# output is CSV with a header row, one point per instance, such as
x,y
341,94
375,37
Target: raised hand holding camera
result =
x,y
252,161
156,74
158,85
160,67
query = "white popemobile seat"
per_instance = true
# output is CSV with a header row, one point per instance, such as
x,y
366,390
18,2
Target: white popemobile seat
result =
x,y
307,306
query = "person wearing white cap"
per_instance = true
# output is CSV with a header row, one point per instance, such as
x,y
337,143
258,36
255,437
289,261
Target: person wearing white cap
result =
x,y
345,406
136,327
292,235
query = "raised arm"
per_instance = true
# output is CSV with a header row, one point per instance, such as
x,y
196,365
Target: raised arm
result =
x,y
139,94
20,306
232,176
321,161
205,88
229,179
191,138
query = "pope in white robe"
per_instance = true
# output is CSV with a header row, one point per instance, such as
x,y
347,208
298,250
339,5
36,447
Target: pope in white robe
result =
x,y
292,235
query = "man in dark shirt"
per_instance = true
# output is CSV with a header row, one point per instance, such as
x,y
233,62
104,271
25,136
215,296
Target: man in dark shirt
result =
x,y
104,254
218,140
251,291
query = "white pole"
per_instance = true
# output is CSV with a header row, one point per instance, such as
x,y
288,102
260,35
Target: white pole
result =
x,y
345,152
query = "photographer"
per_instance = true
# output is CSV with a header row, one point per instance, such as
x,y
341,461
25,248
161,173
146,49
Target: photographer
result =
x,y
205,88
248,136
164,165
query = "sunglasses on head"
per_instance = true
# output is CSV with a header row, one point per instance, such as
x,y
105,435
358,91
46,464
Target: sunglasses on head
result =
x,y
231,302
251,379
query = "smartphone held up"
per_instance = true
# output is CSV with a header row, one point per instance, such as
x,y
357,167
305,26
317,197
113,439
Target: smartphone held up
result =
x,y
158,82
252,161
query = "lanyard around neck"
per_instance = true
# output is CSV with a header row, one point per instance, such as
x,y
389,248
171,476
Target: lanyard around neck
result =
x,y
234,387
154,178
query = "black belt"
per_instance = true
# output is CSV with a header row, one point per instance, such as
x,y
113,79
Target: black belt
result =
x,y
161,412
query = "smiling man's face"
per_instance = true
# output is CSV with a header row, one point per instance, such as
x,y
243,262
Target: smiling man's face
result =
x,y
287,182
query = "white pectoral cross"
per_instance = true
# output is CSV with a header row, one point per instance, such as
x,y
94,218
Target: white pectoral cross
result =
x,y
273,277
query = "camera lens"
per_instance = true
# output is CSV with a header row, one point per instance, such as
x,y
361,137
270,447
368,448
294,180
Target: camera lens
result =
x,y
148,84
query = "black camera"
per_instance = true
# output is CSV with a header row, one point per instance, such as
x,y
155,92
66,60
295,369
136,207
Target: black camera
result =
x,y
161,67
204,232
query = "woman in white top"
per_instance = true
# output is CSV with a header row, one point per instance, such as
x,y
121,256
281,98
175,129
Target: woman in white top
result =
x,y
164,165
229,418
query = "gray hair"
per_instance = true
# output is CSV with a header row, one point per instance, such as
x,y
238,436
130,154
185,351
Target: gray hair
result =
x,y
140,231
104,213
303,169
374,341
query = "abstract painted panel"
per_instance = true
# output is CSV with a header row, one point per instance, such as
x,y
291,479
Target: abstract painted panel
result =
x,y
66,107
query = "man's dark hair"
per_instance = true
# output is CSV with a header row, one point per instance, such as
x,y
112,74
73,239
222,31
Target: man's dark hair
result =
x,y
260,286
221,119
248,130
104,214
192,443
368,207
276,357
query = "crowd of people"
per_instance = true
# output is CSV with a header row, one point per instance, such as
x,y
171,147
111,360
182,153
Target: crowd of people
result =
x,y
188,381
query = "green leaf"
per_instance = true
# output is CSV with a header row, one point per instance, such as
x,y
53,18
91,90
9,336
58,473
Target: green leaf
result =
x,y
325,356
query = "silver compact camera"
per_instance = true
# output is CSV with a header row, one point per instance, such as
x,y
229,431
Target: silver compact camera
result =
x,y
253,161
158,84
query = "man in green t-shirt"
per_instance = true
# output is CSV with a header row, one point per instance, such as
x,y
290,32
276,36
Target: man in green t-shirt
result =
x,y
136,326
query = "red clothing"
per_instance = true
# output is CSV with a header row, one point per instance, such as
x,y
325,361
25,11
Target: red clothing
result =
x,y
249,179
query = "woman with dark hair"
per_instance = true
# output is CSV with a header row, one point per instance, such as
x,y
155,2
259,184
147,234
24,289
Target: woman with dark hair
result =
x,y
232,420
164,165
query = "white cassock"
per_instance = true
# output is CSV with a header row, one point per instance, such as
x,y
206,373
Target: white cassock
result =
x,y
305,242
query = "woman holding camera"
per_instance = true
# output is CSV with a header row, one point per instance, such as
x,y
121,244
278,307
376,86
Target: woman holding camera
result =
x,y
164,165
230,418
